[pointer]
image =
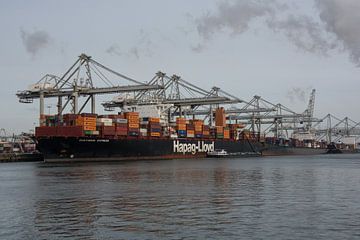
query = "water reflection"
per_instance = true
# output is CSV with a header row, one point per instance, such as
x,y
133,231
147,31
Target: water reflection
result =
x,y
267,198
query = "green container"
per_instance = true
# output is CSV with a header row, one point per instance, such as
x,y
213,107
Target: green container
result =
x,y
219,135
88,132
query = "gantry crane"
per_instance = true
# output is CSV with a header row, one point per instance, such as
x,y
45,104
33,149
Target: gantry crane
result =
x,y
78,81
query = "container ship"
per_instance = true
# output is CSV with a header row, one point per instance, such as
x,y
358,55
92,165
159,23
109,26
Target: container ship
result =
x,y
166,117
130,135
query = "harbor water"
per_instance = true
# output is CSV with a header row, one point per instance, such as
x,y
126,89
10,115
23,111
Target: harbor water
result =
x,y
314,197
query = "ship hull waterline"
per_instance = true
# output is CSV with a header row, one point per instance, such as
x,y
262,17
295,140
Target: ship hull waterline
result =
x,y
71,149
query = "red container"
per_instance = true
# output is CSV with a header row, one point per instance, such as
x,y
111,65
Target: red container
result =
x,y
108,130
69,131
45,131
113,116
190,127
121,133
133,129
88,115
70,116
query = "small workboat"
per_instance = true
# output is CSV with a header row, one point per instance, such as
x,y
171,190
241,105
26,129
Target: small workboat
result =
x,y
218,153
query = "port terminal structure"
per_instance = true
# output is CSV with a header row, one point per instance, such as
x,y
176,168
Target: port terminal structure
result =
x,y
87,78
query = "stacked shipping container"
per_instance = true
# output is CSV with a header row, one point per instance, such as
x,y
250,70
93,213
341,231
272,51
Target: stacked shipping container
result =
x,y
154,127
128,124
133,123
181,127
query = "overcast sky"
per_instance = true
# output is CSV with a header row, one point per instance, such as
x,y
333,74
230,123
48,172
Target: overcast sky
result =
x,y
279,50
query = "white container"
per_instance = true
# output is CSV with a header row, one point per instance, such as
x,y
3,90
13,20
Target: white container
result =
x,y
104,120
120,120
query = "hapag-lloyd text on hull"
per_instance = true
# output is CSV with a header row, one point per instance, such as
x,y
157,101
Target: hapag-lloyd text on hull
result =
x,y
193,148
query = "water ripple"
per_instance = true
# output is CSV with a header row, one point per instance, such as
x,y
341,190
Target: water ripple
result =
x,y
257,198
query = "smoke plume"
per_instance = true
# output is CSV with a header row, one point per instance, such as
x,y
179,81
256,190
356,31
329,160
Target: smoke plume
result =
x,y
333,26
296,94
342,18
35,41
114,49
143,47
234,17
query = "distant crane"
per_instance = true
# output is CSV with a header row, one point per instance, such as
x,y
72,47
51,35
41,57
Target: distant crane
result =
x,y
309,112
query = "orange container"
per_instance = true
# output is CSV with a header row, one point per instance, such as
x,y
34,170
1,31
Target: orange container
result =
x,y
133,125
131,115
154,120
220,118
190,132
155,134
181,127
198,128
89,119
181,120
89,123
90,128
131,121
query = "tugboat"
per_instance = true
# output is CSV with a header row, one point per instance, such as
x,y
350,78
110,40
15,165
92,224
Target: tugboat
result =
x,y
220,153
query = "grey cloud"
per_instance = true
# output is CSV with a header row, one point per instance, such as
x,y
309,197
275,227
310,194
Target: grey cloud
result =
x,y
35,41
342,18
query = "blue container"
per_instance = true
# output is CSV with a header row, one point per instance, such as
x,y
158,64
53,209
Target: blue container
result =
x,y
182,132
155,129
